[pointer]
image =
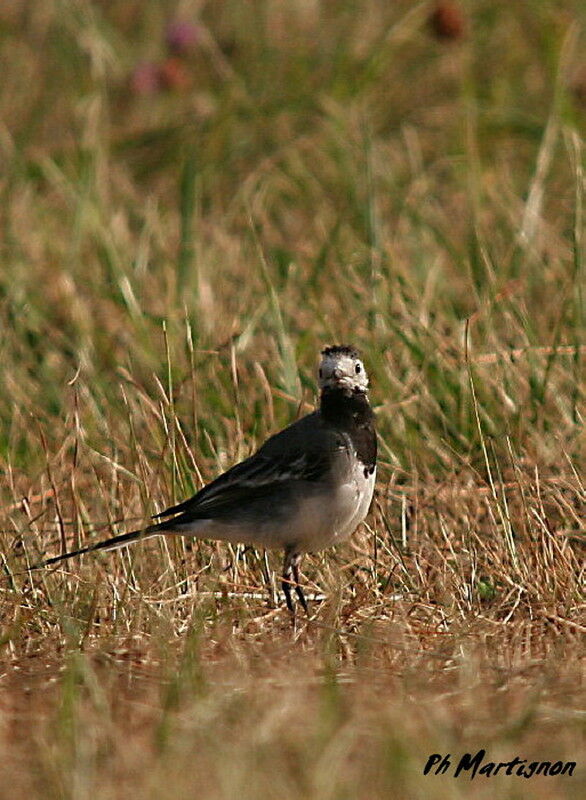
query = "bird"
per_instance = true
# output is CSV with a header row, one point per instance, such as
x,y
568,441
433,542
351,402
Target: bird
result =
x,y
305,489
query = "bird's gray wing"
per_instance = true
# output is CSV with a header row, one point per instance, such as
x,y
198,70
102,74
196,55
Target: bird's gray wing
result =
x,y
282,460
303,452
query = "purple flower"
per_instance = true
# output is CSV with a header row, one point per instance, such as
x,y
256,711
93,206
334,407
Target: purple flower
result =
x,y
146,78
181,37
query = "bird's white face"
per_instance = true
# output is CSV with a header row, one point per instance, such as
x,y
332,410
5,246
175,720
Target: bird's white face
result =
x,y
342,368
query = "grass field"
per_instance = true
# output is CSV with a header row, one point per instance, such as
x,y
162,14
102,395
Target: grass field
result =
x,y
187,216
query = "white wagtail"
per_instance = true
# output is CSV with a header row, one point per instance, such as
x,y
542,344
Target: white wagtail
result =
x,y
307,487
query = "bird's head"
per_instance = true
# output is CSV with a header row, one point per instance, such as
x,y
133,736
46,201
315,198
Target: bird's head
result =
x,y
341,368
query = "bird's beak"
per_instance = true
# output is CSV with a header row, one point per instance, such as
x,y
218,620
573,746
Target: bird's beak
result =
x,y
337,374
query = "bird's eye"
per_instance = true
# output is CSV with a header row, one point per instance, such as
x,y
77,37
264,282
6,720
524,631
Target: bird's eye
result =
x,y
357,369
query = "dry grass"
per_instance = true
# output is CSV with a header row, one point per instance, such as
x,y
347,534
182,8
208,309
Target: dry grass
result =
x,y
172,262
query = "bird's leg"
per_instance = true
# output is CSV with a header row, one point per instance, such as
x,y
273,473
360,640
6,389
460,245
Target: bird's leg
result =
x,y
298,589
286,583
291,571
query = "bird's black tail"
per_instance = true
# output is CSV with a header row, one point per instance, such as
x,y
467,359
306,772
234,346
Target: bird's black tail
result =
x,y
114,543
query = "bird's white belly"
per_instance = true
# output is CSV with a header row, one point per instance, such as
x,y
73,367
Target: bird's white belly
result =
x,y
357,499
328,520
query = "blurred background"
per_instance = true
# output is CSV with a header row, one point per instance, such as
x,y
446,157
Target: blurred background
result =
x,y
279,175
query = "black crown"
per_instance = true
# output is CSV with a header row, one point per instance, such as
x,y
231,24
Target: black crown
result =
x,y
341,350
